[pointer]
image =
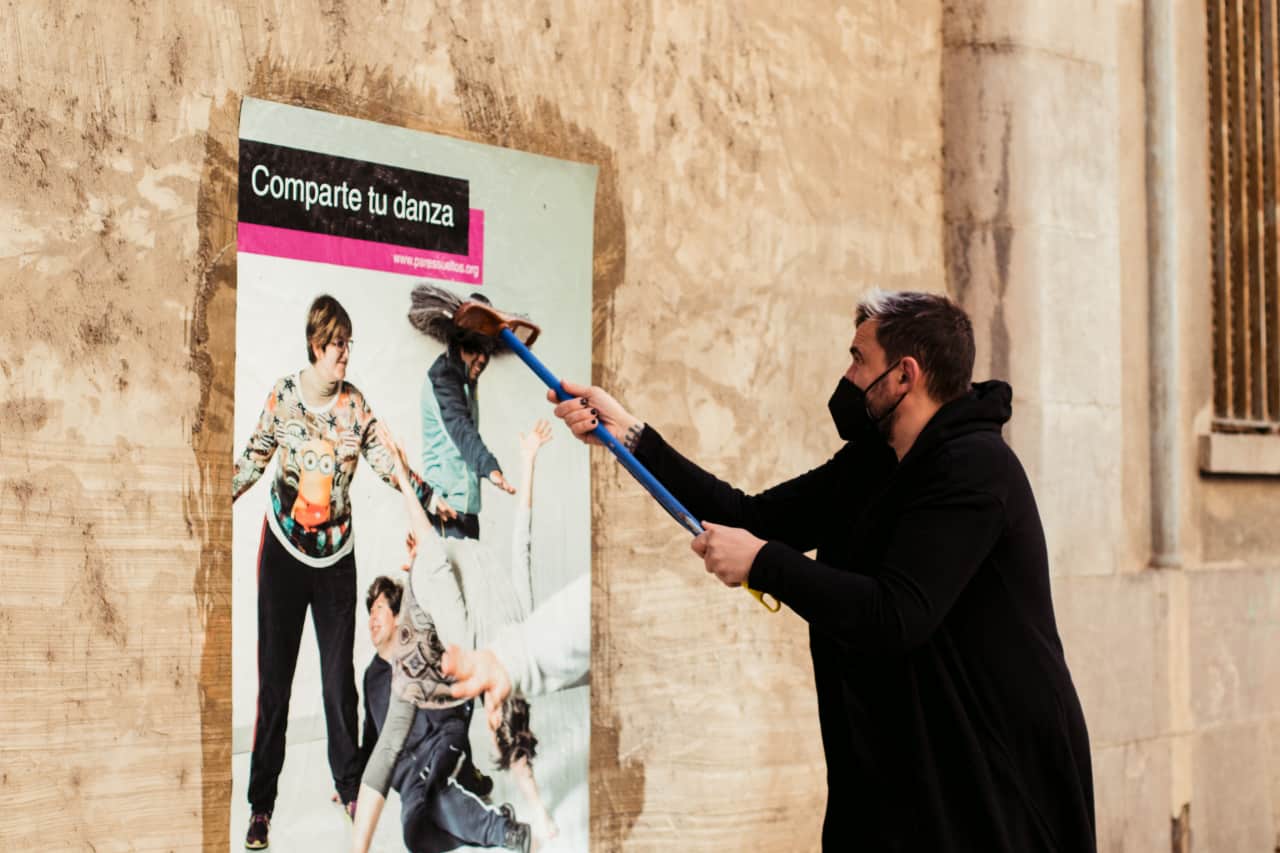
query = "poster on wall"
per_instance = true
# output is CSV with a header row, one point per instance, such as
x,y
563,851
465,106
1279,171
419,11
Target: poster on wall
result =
x,y
402,509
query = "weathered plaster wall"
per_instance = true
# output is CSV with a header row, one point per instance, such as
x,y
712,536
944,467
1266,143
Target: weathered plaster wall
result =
x,y
761,165
1230,642
1044,107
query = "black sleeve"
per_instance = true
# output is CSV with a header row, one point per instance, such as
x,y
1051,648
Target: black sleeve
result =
x,y
795,512
451,398
940,541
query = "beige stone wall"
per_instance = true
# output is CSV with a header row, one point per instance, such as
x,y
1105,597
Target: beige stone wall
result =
x,y
761,165
1046,240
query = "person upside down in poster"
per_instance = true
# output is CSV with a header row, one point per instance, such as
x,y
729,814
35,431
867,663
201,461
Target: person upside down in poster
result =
x,y
513,740
414,706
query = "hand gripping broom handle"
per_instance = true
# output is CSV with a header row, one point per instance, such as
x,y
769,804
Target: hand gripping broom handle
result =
x,y
628,460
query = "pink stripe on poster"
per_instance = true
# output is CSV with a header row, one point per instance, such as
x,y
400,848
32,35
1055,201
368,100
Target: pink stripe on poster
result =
x,y
367,254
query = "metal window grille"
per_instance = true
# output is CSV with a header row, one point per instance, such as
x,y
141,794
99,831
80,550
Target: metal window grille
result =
x,y
1243,46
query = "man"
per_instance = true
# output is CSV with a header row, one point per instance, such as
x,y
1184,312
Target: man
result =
x,y
948,715
437,812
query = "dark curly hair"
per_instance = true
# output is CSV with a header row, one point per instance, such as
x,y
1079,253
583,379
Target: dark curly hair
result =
x,y
515,738
383,585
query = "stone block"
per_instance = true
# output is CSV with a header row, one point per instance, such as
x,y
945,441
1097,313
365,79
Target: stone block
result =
x,y
1237,519
1271,757
1131,784
1082,32
1079,487
1002,301
1079,325
1115,632
1020,154
1231,808
1234,637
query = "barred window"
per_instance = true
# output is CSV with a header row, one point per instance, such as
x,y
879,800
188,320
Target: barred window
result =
x,y
1243,47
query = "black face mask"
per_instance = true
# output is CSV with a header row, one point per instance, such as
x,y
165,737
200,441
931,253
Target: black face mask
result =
x,y
851,411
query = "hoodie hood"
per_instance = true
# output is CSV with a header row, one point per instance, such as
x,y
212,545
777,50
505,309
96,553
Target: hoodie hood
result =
x,y
986,408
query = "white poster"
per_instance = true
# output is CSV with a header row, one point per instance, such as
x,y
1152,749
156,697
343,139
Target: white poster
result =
x,y
358,243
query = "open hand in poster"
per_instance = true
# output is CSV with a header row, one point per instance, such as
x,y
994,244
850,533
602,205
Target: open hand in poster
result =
x,y
411,548
478,672
592,406
532,441
495,477
727,552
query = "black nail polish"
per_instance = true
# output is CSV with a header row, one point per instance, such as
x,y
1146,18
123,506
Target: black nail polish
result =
x,y
584,401
594,422
594,412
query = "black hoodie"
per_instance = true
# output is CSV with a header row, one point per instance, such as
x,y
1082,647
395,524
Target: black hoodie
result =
x,y
949,718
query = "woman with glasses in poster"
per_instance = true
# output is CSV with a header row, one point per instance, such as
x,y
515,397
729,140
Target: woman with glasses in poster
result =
x,y
318,425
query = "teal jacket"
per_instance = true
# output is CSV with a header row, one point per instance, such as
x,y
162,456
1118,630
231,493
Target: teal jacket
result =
x,y
454,457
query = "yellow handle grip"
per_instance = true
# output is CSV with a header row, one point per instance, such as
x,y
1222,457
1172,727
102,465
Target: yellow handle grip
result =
x,y
759,596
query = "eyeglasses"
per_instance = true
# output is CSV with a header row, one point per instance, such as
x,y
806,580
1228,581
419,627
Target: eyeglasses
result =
x,y
342,343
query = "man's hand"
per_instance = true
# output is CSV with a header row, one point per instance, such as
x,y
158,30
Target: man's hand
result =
x,y
500,481
590,407
727,552
475,673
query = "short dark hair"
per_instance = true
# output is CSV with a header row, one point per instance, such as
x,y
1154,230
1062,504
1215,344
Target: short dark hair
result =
x,y
930,328
325,319
383,585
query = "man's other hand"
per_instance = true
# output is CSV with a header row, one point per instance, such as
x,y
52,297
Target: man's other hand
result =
x,y
727,552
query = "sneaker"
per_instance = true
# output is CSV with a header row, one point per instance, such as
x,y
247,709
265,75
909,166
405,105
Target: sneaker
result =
x,y
256,837
517,836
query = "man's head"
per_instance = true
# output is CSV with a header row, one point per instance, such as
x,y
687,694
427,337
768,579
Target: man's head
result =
x,y
912,349
383,603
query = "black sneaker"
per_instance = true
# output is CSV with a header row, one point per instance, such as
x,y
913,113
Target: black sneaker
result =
x,y
517,836
256,837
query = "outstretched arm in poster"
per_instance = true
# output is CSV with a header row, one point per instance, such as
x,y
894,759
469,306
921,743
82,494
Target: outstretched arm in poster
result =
x,y
549,651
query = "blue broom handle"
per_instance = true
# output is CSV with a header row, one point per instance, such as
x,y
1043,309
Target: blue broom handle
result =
x,y
626,457
628,460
